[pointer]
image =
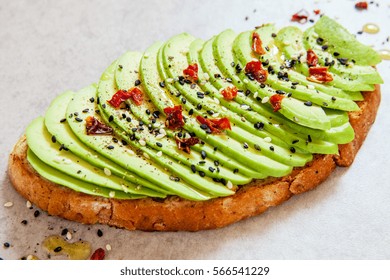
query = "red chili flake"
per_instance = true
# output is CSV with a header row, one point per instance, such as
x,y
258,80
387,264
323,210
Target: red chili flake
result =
x,y
95,127
122,95
174,117
311,58
257,44
255,68
361,5
99,254
276,101
319,75
317,11
229,93
216,125
192,71
300,16
184,144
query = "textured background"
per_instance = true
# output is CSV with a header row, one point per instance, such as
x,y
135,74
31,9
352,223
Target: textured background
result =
x,y
47,47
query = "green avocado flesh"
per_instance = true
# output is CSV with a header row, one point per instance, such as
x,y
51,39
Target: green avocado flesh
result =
x,y
177,131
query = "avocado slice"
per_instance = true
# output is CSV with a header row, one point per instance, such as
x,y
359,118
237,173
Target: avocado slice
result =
x,y
136,158
339,39
65,136
62,179
166,145
53,154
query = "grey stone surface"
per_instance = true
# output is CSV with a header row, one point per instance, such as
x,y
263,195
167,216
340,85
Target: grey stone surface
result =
x,y
47,47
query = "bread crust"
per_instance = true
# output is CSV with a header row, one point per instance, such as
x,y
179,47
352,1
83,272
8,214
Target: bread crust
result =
x,y
177,214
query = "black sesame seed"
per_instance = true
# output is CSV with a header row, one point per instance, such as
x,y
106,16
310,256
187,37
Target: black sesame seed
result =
x,y
190,112
183,100
86,110
333,98
200,94
324,47
92,99
309,138
257,147
111,118
295,141
193,168
199,106
162,84
235,170
62,120
78,119
24,222
159,144
203,154
137,82
36,213
202,174
273,35
259,125
292,149
110,147
217,180
271,148
58,249
308,103
99,233
336,54
320,41
245,145
128,119
232,64
204,126
104,106
202,162
216,162
212,169
64,231
53,139
6,245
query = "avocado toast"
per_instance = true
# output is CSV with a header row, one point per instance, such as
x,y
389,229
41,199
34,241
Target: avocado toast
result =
x,y
194,134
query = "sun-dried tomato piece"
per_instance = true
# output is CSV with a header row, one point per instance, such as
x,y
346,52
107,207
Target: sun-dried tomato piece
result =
x,y
276,101
300,16
95,127
257,44
174,117
363,5
255,69
185,144
229,93
122,95
317,11
192,71
137,96
99,254
311,58
319,75
215,125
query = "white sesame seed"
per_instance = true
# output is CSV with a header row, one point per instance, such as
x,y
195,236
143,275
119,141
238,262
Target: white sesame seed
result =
x,y
169,80
245,107
8,204
265,99
206,76
162,131
229,185
267,139
255,94
107,171
142,142
160,136
310,87
131,152
125,188
108,247
146,155
159,153
245,81
111,194
28,204
138,187
215,115
69,235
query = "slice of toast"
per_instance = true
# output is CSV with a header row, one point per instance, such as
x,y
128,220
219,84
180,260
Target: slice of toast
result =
x,y
177,214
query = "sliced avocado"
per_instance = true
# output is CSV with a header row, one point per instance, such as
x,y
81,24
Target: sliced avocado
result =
x,y
339,39
166,144
150,77
291,108
133,156
63,134
53,154
349,79
62,179
290,41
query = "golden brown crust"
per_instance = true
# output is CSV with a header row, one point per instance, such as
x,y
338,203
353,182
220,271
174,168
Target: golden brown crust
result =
x,y
173,213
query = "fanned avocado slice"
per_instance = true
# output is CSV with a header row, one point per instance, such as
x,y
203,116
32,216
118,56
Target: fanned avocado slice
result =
x,y
62,179
339,39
